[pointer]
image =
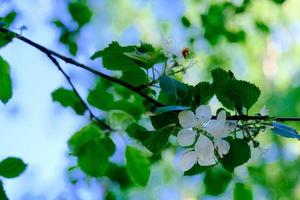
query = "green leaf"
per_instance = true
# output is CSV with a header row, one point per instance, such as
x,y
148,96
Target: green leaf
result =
x,y
146,56
173,87
5,38
93,158
136,131
239,153
220,81
100,97
164,119
118,174
8,19
2,192
5,81
12,167
170,108
157,140
154,141
185,21
204,91
138,165
67,37
92,149
80,12
242,191
242,93
114,58
278,1
68,98
83,136
216,180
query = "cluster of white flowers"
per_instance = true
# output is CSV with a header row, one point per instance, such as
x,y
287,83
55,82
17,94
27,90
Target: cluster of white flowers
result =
x,y
208,132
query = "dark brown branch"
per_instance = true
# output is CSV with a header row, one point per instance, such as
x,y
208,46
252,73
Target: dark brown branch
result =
x,y
92,116
75,63
260,118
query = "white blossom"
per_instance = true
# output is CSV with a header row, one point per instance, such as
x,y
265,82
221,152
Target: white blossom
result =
x,y
204,136
218,128
264,111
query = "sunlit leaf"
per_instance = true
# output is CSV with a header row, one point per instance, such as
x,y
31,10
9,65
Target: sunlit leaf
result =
x,y
138,165
93,158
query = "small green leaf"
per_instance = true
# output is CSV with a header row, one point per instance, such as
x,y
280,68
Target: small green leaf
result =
x,y
118,174
100,97
138,165
93,158
80,12
242,93
173,87
2,192
8,19
157,140
242,191
220,80
81,137
204,91
146,56
216,180
136,131
114,58
239,153
12,167
5,81
164,119
185,21
68,98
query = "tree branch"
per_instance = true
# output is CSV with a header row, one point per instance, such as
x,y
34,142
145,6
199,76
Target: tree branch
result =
x,y
137,90
92,116
261,118
75,63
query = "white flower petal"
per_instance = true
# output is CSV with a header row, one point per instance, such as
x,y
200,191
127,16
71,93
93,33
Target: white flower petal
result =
x,y
203,113
187,119
186,137
264,111
221,116
207,161
216,128
188,160
222,147
204,146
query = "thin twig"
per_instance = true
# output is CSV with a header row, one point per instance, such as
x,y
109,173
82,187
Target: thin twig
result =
x,y
92,116
75,63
